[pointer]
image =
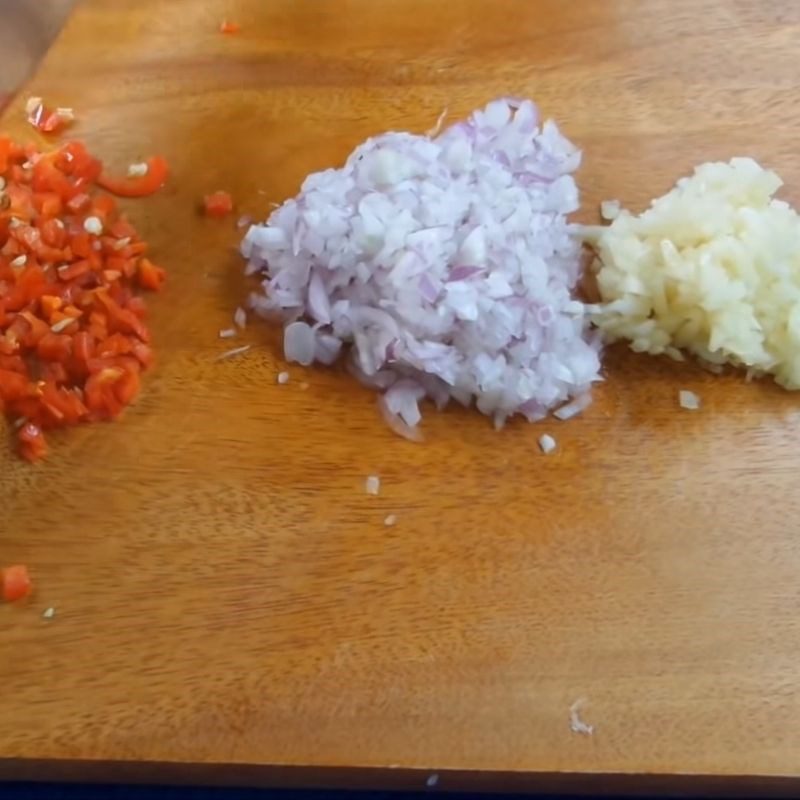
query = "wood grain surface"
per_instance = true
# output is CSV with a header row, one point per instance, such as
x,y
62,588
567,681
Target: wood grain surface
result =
x,y
227,596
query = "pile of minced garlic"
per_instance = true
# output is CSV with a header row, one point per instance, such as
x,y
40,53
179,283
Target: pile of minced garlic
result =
x,y
711,268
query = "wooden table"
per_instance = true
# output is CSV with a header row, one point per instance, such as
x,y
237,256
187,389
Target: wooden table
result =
x,y
229,604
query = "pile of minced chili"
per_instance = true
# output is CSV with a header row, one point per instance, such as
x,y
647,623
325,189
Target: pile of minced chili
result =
x,y
73,338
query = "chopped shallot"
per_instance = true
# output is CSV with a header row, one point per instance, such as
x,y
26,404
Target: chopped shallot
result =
x,y
373,485
299,344
397,423
283,377
547,443
447,266
574,408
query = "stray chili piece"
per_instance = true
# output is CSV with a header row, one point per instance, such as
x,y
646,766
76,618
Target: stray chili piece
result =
x,y
138,185
46,120
218,204
15,582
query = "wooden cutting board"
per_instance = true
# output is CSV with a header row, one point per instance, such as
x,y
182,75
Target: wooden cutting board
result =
x,y
229,603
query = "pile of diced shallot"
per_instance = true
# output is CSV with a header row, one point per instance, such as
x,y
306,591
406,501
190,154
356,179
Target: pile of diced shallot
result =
x,y
445,263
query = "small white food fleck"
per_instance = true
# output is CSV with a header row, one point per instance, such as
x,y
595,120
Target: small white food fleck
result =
x,y
390,520
609,209
137,170
240,317
688,400
2,183
61,325
227,333
67,114
434,131
547,443
19,261
576,724
93,225
432,780
283,377
33,105
373,484
235,352
49,613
